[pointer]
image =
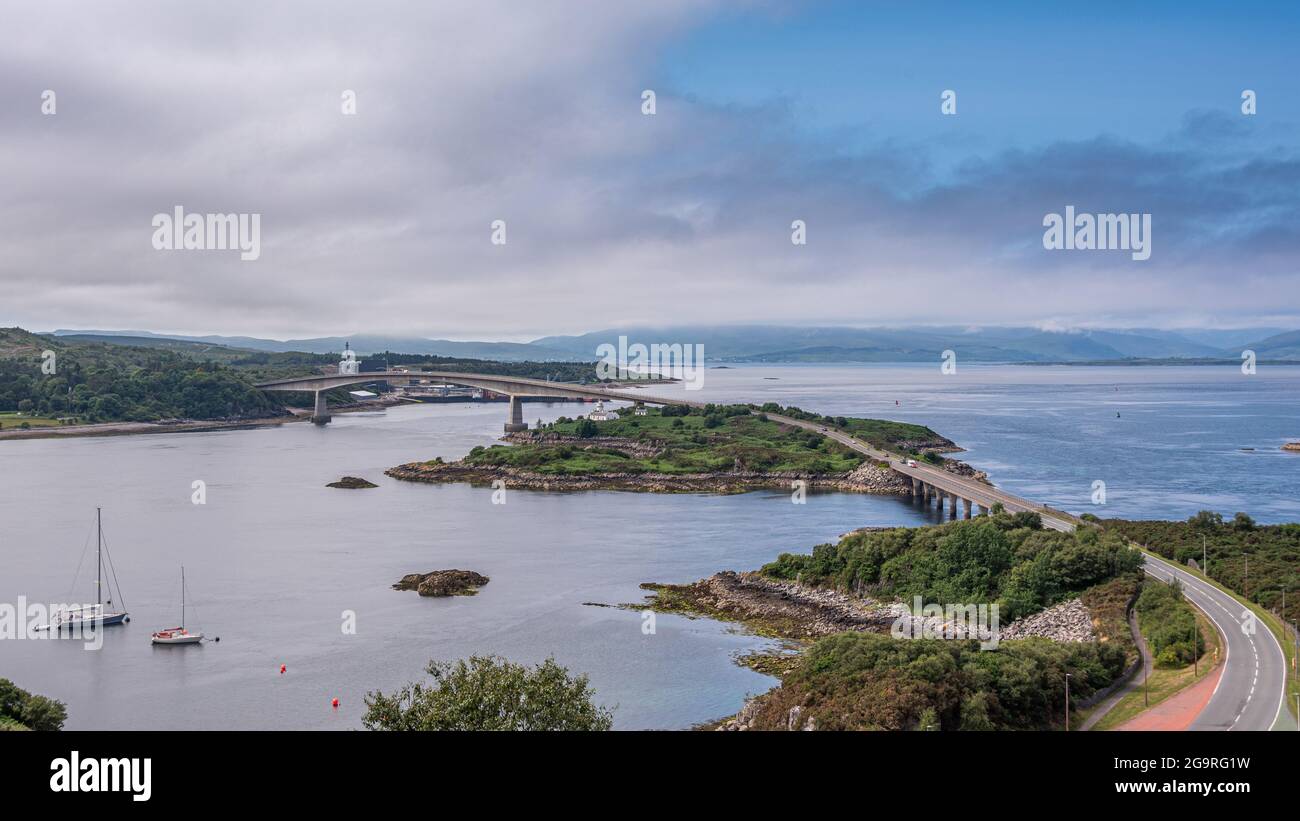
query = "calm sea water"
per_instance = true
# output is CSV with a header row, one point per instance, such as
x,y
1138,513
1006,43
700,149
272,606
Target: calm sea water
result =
x,y
275,560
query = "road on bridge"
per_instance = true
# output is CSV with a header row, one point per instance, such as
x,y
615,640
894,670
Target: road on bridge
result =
x,y
961,486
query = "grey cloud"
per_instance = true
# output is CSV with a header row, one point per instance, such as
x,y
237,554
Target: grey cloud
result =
x,y
530,113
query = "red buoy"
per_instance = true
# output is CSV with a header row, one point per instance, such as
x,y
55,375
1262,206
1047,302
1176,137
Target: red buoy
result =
x,y
281,669
335,703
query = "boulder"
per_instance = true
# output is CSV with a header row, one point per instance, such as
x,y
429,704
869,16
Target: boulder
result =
x,y
352,483
443,583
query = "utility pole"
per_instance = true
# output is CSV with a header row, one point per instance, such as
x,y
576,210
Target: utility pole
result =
x,y
1205,564
1247,555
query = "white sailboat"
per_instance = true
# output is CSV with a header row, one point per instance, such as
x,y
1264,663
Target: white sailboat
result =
x,y
76,618
177,635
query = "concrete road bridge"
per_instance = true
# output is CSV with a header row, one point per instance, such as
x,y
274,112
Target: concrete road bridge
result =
x,y
515,387
932,485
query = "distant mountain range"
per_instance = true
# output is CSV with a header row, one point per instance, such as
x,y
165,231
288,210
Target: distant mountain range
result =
x,y
776,343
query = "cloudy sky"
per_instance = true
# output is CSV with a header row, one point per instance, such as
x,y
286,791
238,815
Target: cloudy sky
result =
x,y
528,112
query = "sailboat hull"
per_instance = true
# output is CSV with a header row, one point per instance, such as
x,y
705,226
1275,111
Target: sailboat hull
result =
x,y
171,639
107,620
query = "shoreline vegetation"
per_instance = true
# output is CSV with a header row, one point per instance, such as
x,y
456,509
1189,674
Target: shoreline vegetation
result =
x,y
1226,547
677,449
102,386
1064,596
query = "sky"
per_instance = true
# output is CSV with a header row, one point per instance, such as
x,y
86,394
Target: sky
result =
x,y
766,112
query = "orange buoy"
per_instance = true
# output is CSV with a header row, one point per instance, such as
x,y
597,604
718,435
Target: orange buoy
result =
x,y
335,703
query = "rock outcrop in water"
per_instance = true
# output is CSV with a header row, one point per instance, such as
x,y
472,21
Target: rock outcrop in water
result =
x,y
443,583
352,483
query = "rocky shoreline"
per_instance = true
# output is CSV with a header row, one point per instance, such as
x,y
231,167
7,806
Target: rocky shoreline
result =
x,y
771,607
867,478
790,610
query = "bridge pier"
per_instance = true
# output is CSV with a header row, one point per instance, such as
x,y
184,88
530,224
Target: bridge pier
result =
x,y
966,508
516,422
321,415
952,506
918,488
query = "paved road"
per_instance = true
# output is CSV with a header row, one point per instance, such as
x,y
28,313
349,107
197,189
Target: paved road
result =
x,y
1250,692
961,486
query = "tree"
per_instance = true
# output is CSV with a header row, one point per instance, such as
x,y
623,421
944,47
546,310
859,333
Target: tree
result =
x,y
1243,522
490,693
1206,520
33,712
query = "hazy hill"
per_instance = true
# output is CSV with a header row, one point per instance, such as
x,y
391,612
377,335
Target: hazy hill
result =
x,y
778,343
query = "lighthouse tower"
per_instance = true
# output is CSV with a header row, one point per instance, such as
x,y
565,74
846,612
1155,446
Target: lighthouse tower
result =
x,y
348,365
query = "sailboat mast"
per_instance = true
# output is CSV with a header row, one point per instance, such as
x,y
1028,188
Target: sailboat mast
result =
x,y
182,597
99,561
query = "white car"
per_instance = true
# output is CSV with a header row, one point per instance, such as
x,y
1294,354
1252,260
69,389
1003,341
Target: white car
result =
x,y
911,463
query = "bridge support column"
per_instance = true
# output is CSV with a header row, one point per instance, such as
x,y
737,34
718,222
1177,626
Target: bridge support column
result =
x,y
952,506
984,511
918,487
321,415
938,500
516,422
966,508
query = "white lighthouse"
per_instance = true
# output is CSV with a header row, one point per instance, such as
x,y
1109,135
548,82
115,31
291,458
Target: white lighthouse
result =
x,y
348,365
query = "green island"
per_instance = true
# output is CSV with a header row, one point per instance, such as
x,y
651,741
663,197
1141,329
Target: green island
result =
x,y
680,448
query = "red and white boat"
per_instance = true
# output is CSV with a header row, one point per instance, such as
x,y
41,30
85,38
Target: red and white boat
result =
x,y
177,635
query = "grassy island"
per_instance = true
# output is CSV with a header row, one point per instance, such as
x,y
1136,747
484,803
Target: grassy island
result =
x,y
682,448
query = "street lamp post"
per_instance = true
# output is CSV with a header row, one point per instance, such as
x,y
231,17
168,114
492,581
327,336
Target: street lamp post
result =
x,y
1067,702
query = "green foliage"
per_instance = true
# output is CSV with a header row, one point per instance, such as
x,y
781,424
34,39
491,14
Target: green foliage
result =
x,y
867,681
881,433
489,693
1168,624
1007,558
700,440
1273,550
149,380
18,706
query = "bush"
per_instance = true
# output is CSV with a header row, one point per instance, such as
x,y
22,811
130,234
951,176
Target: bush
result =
x,y
1008,558
30,711
489,693
1169,625
866,681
